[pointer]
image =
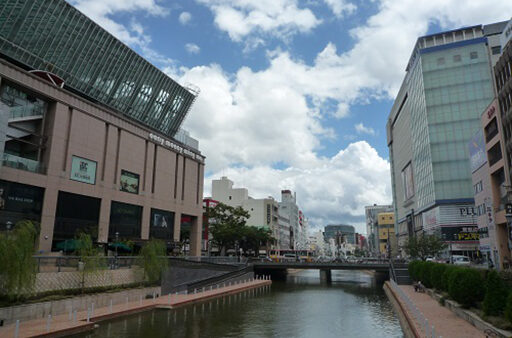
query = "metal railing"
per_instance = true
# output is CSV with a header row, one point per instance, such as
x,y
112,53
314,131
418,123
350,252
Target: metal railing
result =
x,y
428,329
22,163
72,263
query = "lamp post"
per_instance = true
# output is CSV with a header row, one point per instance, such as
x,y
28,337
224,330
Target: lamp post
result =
x,y
115,256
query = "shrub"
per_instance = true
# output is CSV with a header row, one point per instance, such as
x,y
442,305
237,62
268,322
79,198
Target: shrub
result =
x,y
425,273
465,286
445,279
508,308
436,276
413,269
495,295
153,259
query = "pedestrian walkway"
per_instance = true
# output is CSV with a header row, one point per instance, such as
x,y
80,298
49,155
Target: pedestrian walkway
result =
x,y
74,322
443,321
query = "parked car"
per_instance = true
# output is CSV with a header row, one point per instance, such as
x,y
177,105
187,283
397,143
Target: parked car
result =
x,y
461,260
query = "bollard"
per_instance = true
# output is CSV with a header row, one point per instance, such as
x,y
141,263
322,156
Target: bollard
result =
x,y
70,314
203,288
48,323
92,309
433,332
154,295
17,329
426,327
195,291
140,299
74,316
110,305
169,298
88,316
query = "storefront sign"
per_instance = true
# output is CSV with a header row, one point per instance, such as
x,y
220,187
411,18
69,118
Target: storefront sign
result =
x,y
129,182
460,233
83,170
176,147
477,156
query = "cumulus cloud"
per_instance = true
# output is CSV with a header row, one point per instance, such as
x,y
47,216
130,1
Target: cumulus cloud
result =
x,y
192,48
185,17
335,191
361,129
279,18
341,7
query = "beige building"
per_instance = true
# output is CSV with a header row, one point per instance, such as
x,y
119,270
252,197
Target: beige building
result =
x,y
387,237
88,135
94,169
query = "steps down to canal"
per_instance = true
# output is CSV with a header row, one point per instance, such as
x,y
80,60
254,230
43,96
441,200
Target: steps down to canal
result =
x,y
402,274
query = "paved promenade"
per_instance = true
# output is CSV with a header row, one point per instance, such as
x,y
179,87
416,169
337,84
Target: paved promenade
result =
x,y
446,323
64,325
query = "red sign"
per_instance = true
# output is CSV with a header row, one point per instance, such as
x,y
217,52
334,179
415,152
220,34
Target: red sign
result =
x,y
491,111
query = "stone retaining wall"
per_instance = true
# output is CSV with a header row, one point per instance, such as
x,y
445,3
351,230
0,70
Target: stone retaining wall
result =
x,y
51,281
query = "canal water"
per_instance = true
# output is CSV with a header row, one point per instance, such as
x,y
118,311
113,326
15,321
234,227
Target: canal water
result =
x,y
353,305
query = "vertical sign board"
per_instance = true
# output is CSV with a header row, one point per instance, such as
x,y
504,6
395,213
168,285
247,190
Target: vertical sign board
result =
x,y
477,156
83,170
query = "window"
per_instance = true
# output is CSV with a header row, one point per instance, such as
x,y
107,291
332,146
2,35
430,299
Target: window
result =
x,y
457,58
478,187
495,50
162,224
129,182
126,220
230,198
407,182
473,55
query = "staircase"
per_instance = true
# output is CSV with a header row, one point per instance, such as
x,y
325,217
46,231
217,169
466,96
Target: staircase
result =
x,y
399,272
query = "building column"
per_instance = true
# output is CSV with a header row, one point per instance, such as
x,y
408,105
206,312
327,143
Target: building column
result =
x,y
146,219
47,221
177,226
195,236
104,221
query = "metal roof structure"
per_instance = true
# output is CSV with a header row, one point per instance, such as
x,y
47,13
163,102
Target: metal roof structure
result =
x,y
53,36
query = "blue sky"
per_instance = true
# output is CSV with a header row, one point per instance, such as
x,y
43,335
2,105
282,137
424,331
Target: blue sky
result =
x,y
295,94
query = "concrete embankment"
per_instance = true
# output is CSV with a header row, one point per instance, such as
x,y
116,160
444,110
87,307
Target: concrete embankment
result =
x,y
75,322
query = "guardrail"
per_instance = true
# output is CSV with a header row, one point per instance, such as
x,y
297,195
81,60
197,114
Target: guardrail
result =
x,y
73,263
428,329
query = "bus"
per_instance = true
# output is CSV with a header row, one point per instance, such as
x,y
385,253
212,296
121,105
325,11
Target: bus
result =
x,y
278,255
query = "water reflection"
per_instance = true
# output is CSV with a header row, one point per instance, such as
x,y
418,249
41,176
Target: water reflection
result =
x,y
351,306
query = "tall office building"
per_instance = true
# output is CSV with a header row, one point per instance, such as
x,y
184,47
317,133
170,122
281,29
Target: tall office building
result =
x,y
436,112
87,134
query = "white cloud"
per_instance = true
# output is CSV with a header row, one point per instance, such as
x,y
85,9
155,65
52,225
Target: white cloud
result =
x,y
361,129
281,18
341,7
185,18
334,191
192,48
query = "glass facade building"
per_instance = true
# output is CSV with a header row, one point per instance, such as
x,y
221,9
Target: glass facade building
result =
x,y
448,84
53,36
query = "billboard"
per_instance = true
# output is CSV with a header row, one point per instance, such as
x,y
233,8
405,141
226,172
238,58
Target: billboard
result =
x,y
477,156
83,170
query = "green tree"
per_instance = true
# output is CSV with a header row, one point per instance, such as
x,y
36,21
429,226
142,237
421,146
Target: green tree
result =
x,y
424,246
90,256
227,225
154,261
255,237
17,265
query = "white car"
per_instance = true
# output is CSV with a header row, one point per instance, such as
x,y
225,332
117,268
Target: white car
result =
x,y
461,260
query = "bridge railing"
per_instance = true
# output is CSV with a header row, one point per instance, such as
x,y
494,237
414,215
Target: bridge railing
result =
x,y
428,329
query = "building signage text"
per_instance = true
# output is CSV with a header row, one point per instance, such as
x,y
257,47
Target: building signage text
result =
x,y
176,147
506,35
83,170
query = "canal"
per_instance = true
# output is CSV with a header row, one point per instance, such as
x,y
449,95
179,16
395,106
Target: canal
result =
x,y
353,305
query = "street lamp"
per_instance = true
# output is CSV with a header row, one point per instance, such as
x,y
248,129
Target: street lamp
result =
x,y
115,246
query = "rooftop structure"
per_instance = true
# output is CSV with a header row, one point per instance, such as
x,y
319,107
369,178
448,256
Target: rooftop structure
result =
x,y
53,36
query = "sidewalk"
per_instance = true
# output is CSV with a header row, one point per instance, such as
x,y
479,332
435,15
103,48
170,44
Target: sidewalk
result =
x,y
445,322
64,325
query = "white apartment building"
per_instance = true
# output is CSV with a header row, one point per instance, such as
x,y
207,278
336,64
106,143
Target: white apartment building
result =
x,y
263,212
288,208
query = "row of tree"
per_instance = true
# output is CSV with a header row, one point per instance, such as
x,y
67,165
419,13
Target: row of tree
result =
x,y
229,229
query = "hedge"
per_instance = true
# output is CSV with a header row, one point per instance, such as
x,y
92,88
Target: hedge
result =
x,y
508,308
466,286
495,295
436,276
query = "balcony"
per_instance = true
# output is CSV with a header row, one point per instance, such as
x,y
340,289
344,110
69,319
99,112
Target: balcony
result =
x,y
22,163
